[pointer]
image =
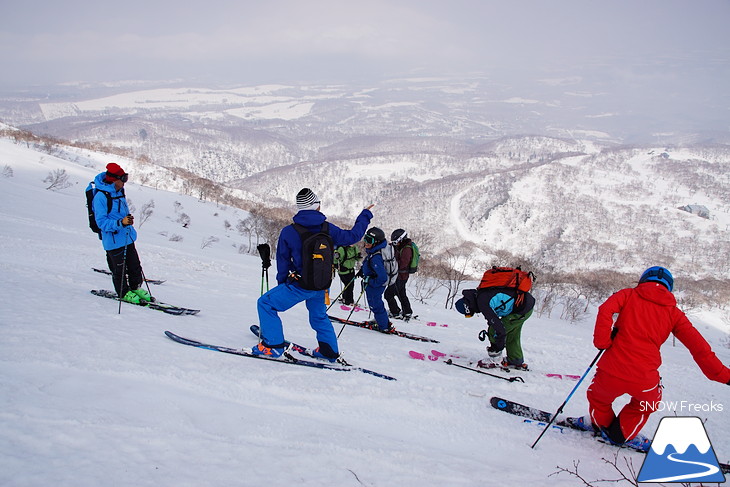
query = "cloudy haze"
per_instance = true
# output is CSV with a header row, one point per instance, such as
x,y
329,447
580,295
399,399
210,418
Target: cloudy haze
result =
x,y
259,41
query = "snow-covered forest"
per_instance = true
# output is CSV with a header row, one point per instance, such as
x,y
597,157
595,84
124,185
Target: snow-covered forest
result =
x,y
93,397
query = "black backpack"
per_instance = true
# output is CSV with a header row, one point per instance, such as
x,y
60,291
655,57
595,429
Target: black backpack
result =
x,y
318,251
91,191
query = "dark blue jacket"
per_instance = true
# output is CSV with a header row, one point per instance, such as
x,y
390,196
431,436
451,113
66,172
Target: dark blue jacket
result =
x,y
373,266
289,247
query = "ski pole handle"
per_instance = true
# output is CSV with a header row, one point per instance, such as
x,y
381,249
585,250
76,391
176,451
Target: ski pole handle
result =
x,y
265,253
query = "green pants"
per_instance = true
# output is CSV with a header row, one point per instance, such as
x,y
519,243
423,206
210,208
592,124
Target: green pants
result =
x,y
513,345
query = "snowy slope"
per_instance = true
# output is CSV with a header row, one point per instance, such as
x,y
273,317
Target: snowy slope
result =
x,y
92,397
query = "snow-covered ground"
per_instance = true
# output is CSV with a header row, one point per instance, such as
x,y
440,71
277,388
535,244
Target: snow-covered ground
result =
x,y
91,397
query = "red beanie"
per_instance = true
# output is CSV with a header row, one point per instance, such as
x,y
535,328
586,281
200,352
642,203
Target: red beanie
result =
x,y
113,168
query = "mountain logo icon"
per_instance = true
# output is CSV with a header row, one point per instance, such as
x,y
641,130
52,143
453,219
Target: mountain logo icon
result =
x,y
681,452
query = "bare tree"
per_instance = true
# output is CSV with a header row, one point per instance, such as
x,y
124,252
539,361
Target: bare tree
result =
x,y
146,212
625,473
207,242
451,269
184,220
57,179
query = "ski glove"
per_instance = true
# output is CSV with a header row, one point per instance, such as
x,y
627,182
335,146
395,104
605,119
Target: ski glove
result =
x,y
127,220
265,253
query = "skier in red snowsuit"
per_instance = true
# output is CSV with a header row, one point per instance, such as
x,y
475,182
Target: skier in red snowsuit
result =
x,y
647,314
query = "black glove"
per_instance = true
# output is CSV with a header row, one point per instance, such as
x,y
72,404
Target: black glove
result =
x,y
359,273
265,253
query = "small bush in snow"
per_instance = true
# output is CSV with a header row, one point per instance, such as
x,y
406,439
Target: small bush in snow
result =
x,y
57,179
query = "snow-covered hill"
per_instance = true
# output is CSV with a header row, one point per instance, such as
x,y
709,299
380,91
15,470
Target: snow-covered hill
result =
x,y
444,158
92,397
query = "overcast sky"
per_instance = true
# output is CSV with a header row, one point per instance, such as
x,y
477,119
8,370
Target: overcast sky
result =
x,y
250,41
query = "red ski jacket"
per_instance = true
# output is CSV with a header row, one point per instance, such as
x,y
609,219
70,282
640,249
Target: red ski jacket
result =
x,y
647,314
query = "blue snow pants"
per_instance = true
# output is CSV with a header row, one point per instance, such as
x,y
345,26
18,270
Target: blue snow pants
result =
x,y
375,301
285,296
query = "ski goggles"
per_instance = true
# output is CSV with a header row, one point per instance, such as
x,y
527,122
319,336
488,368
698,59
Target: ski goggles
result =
x,y
123,178
369,239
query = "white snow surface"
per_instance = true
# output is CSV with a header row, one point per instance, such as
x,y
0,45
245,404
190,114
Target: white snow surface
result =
x,y
91,397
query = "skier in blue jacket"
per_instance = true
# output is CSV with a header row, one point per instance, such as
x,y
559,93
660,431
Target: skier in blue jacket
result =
x,y
288,292
375,277
118,234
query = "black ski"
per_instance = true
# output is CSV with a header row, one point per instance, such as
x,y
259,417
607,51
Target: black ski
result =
x,y
108,273
372,325
288,358
520,409
309,353
541,418
164,307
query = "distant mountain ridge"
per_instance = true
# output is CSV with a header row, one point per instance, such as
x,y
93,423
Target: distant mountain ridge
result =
x,y
446,159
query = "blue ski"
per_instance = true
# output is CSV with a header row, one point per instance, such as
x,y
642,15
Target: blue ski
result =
x,y
308,352
289,359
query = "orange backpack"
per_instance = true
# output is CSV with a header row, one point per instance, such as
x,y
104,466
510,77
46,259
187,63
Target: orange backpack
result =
x,y
510,277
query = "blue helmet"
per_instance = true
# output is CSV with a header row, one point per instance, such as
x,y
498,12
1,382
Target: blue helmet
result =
x,y
658,274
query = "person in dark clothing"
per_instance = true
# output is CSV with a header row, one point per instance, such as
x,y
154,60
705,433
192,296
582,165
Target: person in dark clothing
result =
x,y
118,234
506,310
346,258
375,276
403,254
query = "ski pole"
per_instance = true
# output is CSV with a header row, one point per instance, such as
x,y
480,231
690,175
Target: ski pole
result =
x,y
560,409
510,379
123,277
343,290
354,307
265,253
144,279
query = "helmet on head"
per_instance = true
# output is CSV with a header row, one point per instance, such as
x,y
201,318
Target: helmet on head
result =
x,y
660,275
374,236
462,306
398,236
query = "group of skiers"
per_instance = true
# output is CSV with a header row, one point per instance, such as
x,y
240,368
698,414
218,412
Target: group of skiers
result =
x,y
630,328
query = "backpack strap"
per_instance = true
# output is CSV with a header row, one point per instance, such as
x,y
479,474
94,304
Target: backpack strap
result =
x,y
110,199
304,233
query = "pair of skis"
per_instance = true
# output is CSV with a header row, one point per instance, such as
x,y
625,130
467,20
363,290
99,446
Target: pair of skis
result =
x,y
437,355
108,273
288,357
156,305
541,418
372,325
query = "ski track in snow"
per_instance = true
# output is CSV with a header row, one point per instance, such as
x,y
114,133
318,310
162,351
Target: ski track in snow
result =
x,y
92,397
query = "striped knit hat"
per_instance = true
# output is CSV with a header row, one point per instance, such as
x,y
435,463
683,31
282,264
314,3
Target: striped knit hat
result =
x,y
307,200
